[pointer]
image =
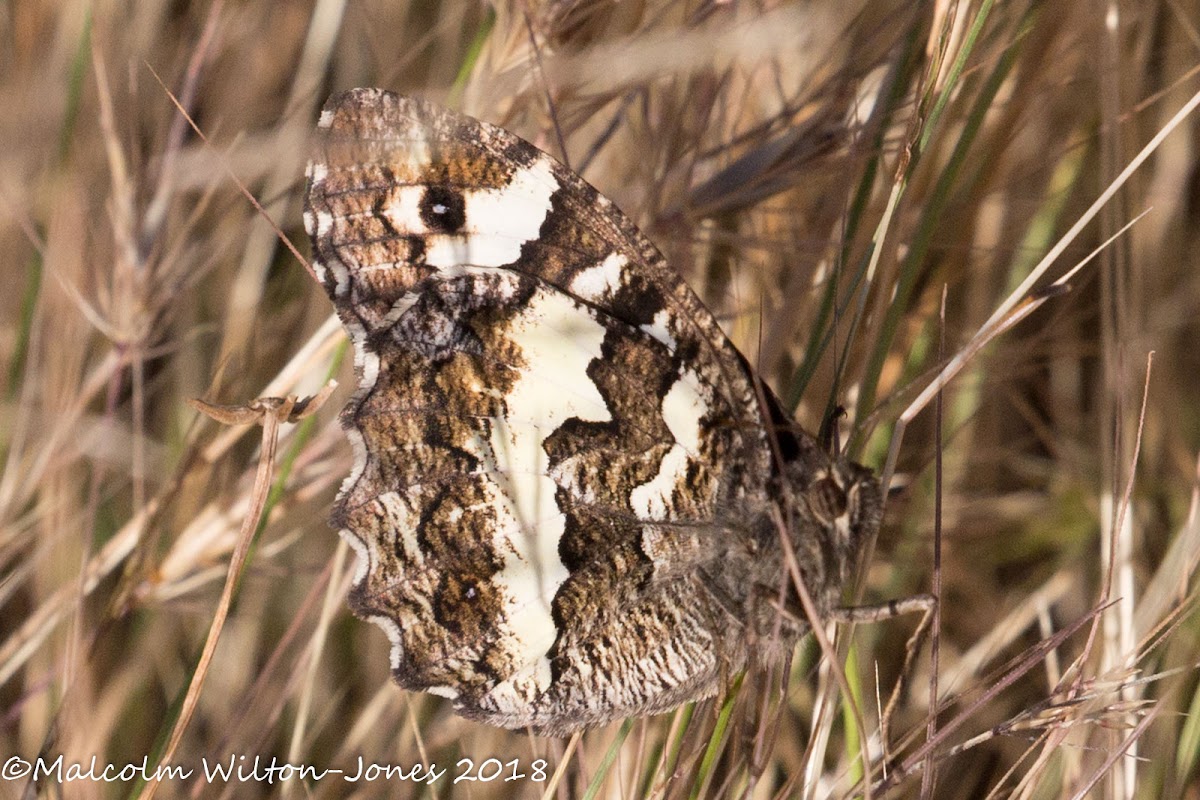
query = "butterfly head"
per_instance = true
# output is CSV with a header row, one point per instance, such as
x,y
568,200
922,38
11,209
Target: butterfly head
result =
x,y
830,507
845,501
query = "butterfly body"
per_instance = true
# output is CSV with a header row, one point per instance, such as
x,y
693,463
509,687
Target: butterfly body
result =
x,y
569,487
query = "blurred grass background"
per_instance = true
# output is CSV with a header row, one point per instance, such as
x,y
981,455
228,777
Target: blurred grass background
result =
x,y
820,172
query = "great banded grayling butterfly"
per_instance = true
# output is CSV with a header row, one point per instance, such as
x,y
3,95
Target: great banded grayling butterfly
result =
x,y
569,487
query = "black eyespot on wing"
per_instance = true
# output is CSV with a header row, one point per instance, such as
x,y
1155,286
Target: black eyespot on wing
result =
x,y
443,209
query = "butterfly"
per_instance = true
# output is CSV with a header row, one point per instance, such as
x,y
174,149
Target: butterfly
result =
x,y
571,494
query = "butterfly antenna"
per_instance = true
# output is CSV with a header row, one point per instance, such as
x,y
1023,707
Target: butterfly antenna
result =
x,y
762,391
830,434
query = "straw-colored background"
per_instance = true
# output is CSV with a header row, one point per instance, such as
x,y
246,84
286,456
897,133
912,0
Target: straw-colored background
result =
x,y
789,158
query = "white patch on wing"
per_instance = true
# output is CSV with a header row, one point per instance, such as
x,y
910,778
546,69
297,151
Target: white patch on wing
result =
x,y
318,223
358,447
603,279
392,630
324,222
498,221
398,309
362,566
682,408
558,339
403,522
403,210
659,328
317,172
341,280
319,268
506,699
366,362
366,365
650,500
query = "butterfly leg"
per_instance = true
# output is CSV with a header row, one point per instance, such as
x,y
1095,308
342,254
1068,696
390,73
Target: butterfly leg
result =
x,y
923,603
786,611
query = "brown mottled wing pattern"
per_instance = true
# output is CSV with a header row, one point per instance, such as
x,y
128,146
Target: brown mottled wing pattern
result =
x,y
560,493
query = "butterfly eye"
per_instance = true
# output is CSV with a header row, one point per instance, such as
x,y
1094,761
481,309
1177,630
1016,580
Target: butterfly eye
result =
x,y
443,209
826,500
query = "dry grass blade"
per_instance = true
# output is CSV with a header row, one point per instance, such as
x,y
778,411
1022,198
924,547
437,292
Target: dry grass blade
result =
x,y
1028,661
270,413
